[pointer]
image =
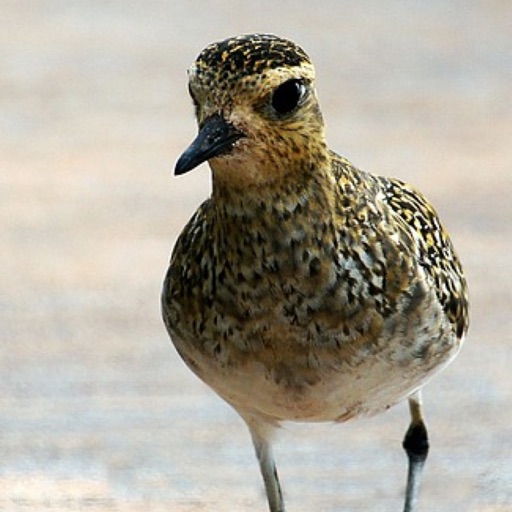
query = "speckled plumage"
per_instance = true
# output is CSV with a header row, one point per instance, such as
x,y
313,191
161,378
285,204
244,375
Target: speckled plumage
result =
x,y
304,289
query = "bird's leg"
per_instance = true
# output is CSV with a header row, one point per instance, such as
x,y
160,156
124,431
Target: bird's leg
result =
x,y
415,444
261,434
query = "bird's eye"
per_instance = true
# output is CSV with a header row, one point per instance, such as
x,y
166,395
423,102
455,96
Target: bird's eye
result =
x,y
287,96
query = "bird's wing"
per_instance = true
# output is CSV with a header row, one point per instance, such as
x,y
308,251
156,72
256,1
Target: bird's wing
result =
x,y
435,250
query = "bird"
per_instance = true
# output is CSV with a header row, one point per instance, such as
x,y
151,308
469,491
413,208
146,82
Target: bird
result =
x,y
304,289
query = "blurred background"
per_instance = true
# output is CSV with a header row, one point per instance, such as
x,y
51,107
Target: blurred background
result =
x,y
97,411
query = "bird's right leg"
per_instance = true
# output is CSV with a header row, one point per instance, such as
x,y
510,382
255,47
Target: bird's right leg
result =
x,y
416,446
261,434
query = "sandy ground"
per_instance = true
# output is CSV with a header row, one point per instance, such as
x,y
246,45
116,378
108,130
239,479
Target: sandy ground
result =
x,y
97,410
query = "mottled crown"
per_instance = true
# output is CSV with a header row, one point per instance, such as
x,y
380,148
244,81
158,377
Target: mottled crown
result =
x,y
250,54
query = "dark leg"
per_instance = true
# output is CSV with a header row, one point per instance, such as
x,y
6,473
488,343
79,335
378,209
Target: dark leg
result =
x,y
416,446
261,434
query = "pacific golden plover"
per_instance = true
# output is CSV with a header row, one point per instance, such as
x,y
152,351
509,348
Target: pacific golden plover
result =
x,y
304,289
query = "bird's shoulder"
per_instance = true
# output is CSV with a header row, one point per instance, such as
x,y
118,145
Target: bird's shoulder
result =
x,y
196,229
193,249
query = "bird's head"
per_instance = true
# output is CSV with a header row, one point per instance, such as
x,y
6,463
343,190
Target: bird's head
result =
x,y
257,111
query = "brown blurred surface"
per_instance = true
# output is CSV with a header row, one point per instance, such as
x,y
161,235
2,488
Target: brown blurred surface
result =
x,y
97,410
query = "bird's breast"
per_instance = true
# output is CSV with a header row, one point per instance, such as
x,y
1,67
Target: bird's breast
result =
x,y
281,316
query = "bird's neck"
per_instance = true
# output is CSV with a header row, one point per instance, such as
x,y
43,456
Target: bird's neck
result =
x,y
306,193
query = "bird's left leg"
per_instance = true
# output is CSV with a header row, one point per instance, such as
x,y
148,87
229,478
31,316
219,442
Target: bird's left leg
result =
x,y
261,437
416,446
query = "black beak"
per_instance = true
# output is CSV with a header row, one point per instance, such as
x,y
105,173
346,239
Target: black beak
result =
x,y
216,136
